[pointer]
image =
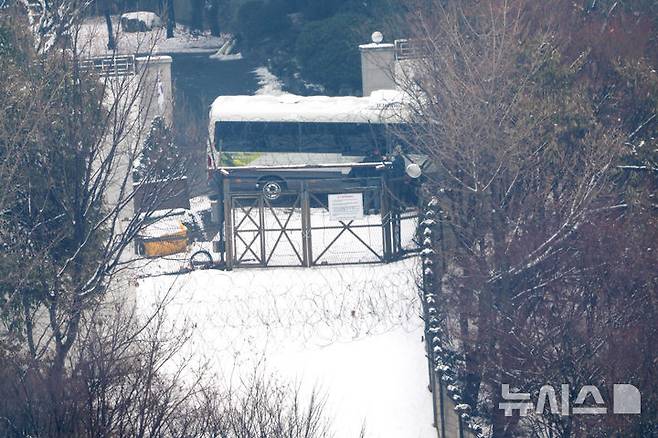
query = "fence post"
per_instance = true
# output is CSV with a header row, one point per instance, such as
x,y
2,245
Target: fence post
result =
x,y
261,231
385,212
306,226
228,223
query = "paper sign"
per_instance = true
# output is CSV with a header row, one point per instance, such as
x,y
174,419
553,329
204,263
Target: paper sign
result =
x,y
346,206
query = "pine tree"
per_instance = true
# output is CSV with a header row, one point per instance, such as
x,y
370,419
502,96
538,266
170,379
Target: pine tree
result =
x,y
160,158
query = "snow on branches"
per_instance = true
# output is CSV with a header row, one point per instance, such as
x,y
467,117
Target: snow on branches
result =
x,y
52,20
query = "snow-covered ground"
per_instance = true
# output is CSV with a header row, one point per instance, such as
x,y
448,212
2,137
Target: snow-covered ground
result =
x,y
269,84
353,332
92,40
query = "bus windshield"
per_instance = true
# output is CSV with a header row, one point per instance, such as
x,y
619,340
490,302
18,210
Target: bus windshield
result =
x,y
353,139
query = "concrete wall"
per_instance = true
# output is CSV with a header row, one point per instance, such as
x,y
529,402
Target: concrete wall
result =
x,y
377,67
156,98
446,420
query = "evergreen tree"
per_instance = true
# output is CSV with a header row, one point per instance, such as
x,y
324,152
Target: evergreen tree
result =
x,y
160,158
328,51
259,20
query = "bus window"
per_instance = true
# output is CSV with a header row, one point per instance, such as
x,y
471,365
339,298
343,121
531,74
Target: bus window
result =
x,y
355,139
239,136
399,134
378,136
318,137
281,137
359,138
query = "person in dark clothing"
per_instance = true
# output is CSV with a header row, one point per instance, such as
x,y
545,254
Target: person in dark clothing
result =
x,y
411,189
398,165
371,197
375,156
396,178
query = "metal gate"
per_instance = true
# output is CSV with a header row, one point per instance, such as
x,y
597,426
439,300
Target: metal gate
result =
x,y
257,231
347,241
297,229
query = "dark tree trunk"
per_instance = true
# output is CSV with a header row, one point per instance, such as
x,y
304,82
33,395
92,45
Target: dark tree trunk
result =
x,y
213,17
171,18
111,43
197,14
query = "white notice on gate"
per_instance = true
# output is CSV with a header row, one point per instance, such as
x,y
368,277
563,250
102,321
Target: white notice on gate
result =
x,y
346,206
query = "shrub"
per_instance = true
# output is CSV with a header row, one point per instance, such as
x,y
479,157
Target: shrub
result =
x,y
257,19
122,381
315,10
328,52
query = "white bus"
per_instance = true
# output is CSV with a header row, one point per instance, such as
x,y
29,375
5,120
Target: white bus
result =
x,y
290,130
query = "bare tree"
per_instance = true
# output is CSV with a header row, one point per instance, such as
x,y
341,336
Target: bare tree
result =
x,y
75,359
70,214
107,13
522,168
124,382
53,20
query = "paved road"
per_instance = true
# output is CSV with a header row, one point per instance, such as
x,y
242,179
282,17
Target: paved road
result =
x,y
198,81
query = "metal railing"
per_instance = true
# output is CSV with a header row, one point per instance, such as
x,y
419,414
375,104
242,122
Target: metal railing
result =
x,y
407,49
121,65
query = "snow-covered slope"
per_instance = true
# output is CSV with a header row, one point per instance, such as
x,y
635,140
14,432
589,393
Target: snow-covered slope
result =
x,y
92,40
351,331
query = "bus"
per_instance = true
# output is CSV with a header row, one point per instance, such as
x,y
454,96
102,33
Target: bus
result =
x,y
288,131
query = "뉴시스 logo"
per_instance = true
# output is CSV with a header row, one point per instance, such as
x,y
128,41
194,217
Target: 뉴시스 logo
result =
x,y
626,399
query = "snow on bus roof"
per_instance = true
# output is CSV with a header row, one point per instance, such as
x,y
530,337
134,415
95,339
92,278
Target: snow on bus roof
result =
x,y
380,107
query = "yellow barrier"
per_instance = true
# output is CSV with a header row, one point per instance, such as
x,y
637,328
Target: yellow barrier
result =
x,y
168,244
